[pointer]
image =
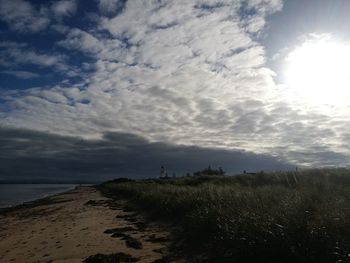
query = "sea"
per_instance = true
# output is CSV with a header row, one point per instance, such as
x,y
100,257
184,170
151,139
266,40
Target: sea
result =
x,y
15,194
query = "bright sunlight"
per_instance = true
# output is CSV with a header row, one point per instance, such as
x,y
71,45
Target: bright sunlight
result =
x,y
318,71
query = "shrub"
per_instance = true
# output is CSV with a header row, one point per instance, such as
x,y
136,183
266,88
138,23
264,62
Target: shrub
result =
x,y
275,217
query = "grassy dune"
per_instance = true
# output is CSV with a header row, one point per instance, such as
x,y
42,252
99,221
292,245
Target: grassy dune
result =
x,y
275,217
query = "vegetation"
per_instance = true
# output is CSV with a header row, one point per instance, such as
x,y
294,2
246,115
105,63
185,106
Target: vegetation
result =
x,y
210,171
275,217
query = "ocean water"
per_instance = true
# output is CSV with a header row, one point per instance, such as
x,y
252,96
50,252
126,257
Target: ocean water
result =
x,y
15,194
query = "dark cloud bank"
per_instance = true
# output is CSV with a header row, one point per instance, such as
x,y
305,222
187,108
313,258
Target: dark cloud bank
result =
x,y
29,156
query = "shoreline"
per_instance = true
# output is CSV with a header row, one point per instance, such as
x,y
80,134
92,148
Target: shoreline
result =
x,y
30,200
32,203
76,224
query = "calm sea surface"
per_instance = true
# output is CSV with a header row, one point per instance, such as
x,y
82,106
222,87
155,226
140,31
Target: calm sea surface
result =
x,y
14,194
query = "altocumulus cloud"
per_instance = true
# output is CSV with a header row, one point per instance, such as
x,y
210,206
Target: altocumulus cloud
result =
x,y
64,8
22,16
172,72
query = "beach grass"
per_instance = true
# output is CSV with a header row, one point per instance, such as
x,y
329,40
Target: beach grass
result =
x,y
265,217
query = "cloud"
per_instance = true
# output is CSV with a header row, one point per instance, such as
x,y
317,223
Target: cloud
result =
x,y
21,74
110,7
64,8
28,156
30,57
265,6
180,73
21,16
83,41
14,54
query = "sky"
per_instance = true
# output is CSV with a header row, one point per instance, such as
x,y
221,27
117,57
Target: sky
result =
x,y
105,88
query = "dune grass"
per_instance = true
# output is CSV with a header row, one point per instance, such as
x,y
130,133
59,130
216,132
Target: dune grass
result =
x,y
275,217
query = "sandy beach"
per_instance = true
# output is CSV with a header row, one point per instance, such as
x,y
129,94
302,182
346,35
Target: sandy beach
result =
x,y
75,225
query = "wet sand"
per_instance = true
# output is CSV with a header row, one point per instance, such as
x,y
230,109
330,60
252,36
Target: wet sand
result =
x,y
72,226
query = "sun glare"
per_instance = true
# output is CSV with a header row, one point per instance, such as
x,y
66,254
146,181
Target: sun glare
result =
x,y
319,72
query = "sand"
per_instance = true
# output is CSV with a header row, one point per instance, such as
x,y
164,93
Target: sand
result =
x,y
70,227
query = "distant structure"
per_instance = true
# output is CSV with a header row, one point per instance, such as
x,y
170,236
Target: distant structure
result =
x,y
163,172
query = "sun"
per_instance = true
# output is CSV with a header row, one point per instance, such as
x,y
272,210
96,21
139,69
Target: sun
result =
x,y
318,71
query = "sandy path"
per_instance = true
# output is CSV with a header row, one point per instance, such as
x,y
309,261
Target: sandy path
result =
x,y
69,228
